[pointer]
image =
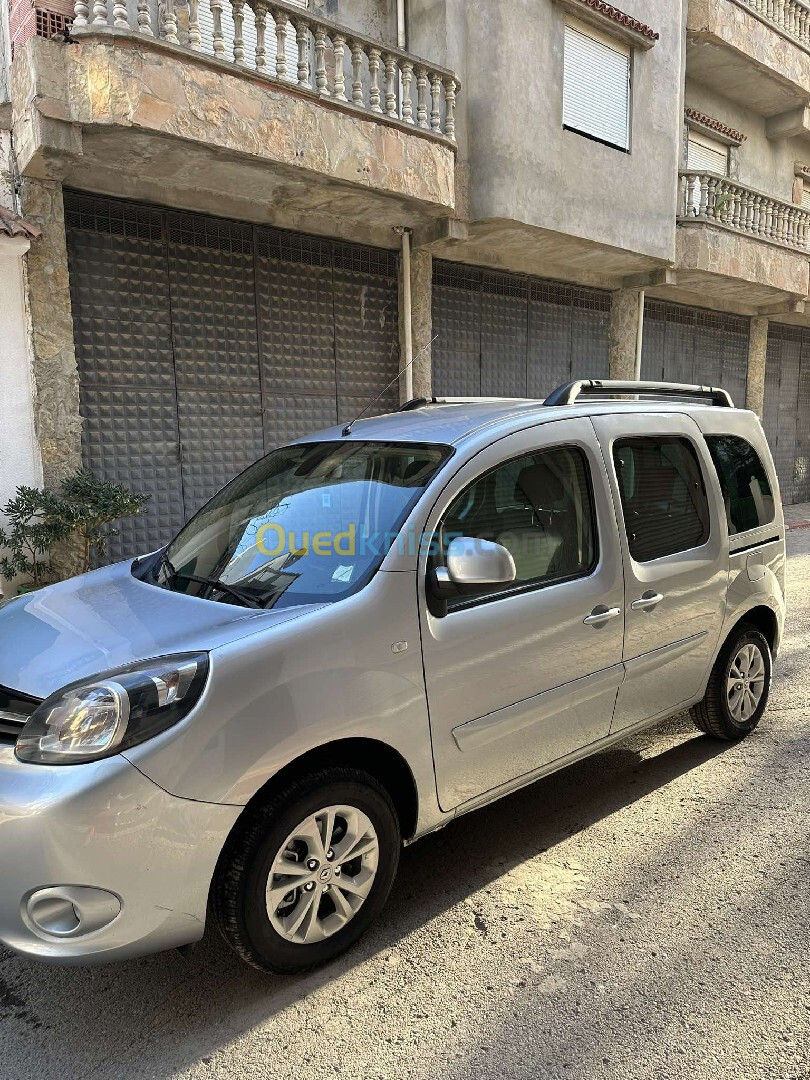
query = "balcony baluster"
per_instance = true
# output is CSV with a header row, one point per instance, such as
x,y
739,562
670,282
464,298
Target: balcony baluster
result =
x,y
260,15
382,80
721,200
339,52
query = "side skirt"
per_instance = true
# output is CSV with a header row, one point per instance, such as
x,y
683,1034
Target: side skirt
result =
x,y
552,767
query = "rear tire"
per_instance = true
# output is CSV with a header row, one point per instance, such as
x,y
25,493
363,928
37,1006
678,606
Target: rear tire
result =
x,y
291,891
738,687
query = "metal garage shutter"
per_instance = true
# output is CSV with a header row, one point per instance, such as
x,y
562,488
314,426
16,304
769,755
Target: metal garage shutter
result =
x,y
202,343
119,289
513,336
786,417
596,85
692,345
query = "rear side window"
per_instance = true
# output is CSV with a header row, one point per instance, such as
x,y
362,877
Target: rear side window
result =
x,y
663,496
746,489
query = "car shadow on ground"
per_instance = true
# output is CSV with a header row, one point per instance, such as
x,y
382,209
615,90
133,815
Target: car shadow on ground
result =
x,y
190,1007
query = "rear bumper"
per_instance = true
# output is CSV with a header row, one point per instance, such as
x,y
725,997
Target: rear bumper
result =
x,y
103,826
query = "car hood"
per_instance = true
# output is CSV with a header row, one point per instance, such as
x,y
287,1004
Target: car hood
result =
x,y
108,618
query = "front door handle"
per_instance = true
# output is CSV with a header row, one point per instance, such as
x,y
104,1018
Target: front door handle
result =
x,y
600,615
647,601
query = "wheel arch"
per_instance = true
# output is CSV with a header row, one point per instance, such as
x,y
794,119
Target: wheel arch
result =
x,y
764,619
379,759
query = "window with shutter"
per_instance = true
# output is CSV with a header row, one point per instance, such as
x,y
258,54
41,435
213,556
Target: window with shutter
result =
x,y
806,195
596,85
705,154
249,37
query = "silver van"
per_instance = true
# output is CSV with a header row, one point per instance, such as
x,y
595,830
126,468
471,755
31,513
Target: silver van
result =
x,y
364,635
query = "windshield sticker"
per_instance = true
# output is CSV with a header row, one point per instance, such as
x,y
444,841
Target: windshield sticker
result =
x,y
343,573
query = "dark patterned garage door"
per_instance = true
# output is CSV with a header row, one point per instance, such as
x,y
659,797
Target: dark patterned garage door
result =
x,y
691,345
202,343
787,409
513,336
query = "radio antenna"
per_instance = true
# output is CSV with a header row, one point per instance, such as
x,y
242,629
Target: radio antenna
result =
x,y
348,428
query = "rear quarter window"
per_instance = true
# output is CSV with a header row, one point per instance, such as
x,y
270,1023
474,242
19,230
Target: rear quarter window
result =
x,y
663,496
747,493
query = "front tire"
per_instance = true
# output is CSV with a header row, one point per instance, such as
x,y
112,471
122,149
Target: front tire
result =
x,y
738,687
302,877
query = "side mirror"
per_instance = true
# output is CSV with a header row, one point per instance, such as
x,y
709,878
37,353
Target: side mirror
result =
x,y
473,566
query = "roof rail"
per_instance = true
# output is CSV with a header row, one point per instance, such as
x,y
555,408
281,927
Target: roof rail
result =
x,y
568,394
420,402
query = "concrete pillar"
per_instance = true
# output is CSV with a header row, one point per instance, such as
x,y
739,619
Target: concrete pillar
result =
x,y
755,377
624,332
56,380
20,461
57,421
421,319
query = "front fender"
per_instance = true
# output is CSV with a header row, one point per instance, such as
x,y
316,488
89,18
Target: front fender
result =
x,y
348,670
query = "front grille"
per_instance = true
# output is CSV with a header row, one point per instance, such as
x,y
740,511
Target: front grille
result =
x,y
15,708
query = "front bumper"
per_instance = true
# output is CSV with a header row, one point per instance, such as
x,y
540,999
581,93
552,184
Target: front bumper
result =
x,y
104,826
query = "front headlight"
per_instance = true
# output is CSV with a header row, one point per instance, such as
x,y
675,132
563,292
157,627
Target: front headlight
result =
x,y
98,717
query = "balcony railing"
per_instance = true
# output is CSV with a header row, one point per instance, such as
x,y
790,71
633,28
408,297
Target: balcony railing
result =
x,y
288,44
791,16
704,197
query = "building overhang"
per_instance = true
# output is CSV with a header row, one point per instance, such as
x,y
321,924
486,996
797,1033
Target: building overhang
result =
x,y
730,271
127,115
745,57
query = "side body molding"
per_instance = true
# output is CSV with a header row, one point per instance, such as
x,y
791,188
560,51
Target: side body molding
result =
x,y
538,709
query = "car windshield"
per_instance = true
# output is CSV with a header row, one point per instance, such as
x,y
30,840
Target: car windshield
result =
x,y
309,523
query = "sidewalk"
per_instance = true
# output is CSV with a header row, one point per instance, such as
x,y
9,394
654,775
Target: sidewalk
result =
x,y
797,516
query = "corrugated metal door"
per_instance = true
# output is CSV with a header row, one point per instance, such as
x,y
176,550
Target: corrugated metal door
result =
x,y
202,343
786,416
692,345
513,336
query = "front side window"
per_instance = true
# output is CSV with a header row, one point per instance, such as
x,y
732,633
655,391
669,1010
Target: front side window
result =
x,y
746,489
539,507
596,85
309,523
663,496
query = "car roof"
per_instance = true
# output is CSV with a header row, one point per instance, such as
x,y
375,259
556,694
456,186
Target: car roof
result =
x,y
454,421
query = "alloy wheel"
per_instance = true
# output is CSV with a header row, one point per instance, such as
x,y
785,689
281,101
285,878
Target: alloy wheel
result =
x,y
322,874
745,683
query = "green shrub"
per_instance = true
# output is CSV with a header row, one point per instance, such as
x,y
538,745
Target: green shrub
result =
x,y
84,507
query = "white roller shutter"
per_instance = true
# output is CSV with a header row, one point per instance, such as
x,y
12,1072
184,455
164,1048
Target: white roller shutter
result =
x,y
596,85
249,37
806,195
705,154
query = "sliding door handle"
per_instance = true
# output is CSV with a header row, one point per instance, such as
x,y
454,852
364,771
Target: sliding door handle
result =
x,y
601,614
647,601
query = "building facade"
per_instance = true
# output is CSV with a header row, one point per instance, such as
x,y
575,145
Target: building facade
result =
x,y
253,213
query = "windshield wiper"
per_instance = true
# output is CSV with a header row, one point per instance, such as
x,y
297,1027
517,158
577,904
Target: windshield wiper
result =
x,y
237,594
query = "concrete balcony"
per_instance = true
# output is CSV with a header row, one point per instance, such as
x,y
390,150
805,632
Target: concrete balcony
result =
x,y
756,52
270,114
740,249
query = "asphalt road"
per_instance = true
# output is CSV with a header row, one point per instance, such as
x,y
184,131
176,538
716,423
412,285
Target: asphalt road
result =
x,y
641,915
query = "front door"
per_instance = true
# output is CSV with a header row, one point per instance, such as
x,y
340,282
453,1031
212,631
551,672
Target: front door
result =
x,y
676,567
527,673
